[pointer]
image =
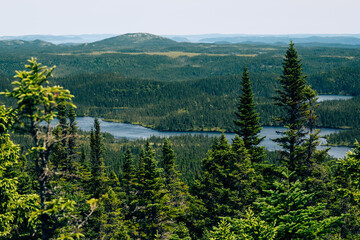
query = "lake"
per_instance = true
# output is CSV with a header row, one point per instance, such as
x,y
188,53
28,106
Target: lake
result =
x,y
129,131
333,97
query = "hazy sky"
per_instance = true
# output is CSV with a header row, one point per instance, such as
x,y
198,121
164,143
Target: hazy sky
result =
x,y
60,17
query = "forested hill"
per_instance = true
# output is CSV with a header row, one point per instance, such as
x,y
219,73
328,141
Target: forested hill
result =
x,y
134,40
171,85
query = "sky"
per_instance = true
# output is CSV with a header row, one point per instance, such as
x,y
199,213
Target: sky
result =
x,y
179,17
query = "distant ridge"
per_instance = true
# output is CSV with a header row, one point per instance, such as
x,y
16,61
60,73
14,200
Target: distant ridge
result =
x,y
280,39
60,39
142,39
135,39
24,44
346,39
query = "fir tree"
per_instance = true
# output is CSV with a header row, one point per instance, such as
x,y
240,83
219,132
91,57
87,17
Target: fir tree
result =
x,y
248,121
97,182
347,195
59,155
178,190
72,141
289,207
293,99
152,211
226,186
250,227
113,220
129,172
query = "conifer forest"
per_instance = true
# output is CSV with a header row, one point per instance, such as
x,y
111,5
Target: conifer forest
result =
x,y
59,182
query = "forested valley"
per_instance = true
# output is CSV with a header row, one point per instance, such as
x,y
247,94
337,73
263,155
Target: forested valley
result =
x,y
57,182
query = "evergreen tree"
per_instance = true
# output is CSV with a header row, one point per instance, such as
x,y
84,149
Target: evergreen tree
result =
x,y
289,207
347,195
129,183
98,177
351,167
152,210
226,186
222,232
37,102
59,149
178,191
72,141
293,99
15,209
312,155
250,227
113,223
129,172
248,121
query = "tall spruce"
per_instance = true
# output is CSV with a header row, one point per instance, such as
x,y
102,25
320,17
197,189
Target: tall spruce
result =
x,y
226,186
178,190
129,183
293,99
176,187
72,141
152,213
312,154
97,182
248,121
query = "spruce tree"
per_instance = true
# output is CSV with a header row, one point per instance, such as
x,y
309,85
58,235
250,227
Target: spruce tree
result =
x,y
98,178
293,99
178,190
226,186
129,183
72,141
295,216
312,155
151,211
248,121
129,171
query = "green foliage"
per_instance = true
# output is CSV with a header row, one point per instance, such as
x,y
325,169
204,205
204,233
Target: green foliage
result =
x,y
343,138
35,101
222,232
152,213
351,168
250,227
149,202
290,208
178,191
38,102
114,225
97,182
15,208
253,228
226,186
248,121
293,99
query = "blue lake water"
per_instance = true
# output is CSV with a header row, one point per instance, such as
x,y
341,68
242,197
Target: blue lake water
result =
x,y
333,97
129,131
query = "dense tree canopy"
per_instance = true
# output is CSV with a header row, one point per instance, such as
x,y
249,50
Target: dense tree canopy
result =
x,y
66,184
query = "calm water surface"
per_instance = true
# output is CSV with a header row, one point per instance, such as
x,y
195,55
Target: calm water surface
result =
x,y
333,97
129,131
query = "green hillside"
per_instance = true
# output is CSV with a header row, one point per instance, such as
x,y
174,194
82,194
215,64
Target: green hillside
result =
x,y
168,85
